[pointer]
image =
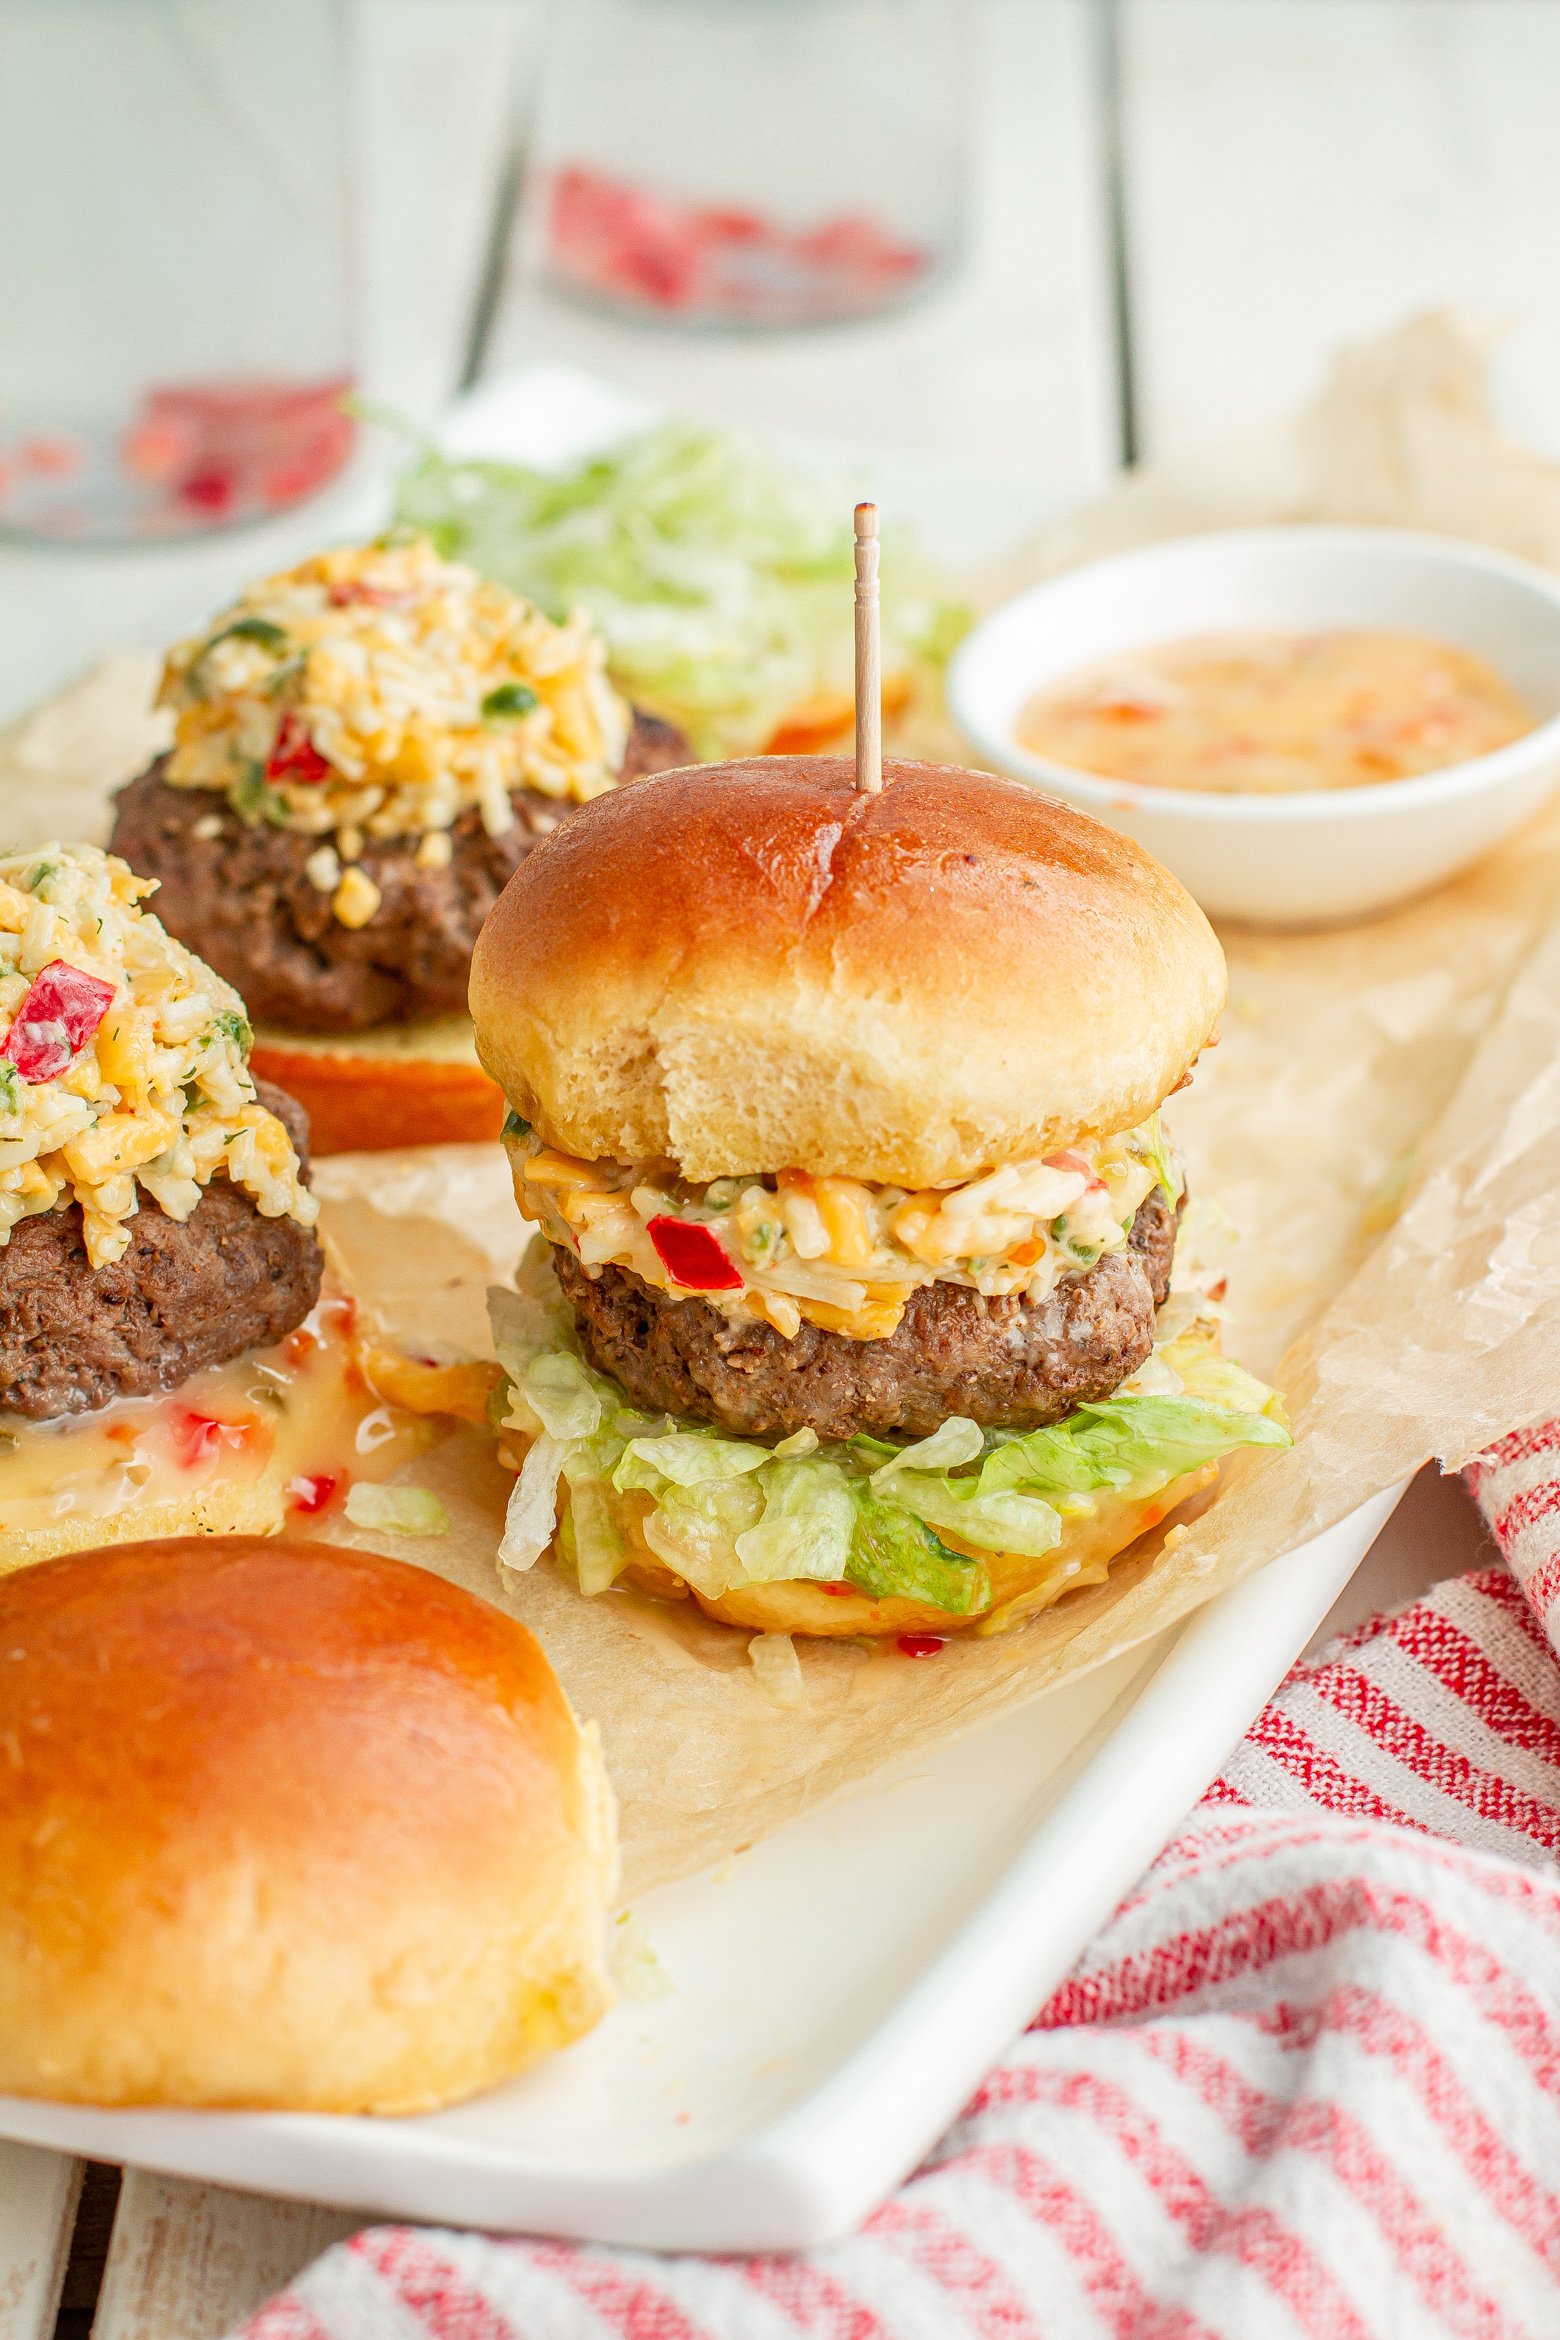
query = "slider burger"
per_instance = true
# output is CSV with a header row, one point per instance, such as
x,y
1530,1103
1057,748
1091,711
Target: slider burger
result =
x,y
166,1358
839,1114
287,1826
365,747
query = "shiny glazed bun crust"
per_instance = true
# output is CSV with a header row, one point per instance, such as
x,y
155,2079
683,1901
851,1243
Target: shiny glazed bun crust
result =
x,y
749,967
286,1825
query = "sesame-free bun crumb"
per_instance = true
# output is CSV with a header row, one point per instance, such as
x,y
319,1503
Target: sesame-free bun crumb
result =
x,y
749,967
289,1826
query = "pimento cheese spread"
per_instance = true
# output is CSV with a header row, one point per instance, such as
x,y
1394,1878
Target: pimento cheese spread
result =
x,y
379,691
839,1252
124,1061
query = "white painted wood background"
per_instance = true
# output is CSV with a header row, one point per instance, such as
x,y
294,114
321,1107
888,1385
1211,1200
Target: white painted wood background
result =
x,y
1292,172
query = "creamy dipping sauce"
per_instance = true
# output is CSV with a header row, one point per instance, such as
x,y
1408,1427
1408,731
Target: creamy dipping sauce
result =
x,y
1266,713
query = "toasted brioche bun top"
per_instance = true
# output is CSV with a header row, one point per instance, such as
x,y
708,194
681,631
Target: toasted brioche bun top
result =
x,y
286,1825
751,967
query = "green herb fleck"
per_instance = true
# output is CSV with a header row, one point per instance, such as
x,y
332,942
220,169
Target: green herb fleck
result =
x,y
10,1089
255,800
514,1127
251,629
228,1024
510,701
277,681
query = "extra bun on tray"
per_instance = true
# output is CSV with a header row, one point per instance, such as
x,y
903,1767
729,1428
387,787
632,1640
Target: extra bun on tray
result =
x,y
751,966
839,1115
286,1825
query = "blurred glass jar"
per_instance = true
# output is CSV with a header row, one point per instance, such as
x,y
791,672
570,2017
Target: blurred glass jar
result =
x,y
753,163
174,316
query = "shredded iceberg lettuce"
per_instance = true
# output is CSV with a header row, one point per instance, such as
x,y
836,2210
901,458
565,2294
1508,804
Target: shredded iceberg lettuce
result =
x,y
405,1511
1156,1148
720,573
725,1512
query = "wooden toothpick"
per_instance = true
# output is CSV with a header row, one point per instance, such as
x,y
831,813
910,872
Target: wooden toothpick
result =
x,y
869,655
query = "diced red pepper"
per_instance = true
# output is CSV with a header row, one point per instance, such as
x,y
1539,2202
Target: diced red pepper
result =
x,y
693,1256
1076,1163
62,1010
919,1644
295,756
311,1494
197,1437
342,596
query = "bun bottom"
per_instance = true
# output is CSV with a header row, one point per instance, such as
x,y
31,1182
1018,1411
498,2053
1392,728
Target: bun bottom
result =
x,y
813,726
1021,1584
257,1507
416,1084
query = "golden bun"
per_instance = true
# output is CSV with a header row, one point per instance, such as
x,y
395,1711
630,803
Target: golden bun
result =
x,y
286,1825
416,1084
748,967
1021,1584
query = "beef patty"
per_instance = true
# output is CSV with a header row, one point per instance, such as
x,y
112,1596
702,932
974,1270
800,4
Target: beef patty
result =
x,y
73,1336
1011,1364
241,897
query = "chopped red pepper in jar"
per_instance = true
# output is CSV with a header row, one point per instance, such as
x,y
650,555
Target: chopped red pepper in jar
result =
x,y
693,1256
63,1008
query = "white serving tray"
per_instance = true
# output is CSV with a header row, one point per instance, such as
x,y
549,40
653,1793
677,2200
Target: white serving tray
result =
x,y
838,1991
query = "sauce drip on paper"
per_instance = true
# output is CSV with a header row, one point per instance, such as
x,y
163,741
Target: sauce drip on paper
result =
x,y
300,1418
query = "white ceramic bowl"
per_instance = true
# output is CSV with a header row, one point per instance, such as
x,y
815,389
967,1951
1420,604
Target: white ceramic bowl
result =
x,y
1319,855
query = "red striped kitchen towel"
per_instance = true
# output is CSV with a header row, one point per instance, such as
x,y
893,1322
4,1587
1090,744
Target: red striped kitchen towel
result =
x,y
1306,2082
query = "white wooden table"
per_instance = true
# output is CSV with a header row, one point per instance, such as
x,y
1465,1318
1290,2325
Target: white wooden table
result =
x,y
1181,206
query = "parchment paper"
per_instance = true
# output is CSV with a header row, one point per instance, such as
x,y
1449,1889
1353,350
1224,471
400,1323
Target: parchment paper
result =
x,y
1377,1136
